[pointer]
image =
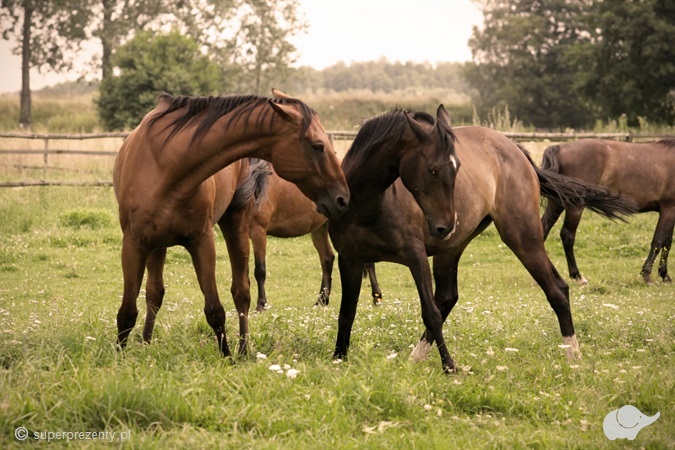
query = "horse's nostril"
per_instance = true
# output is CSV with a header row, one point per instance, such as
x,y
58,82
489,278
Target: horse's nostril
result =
x,y
442,231
341,202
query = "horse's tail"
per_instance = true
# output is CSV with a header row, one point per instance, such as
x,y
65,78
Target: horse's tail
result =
x,y
575,193
254,186
550,159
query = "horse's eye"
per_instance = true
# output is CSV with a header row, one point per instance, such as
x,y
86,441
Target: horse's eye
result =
x,y
433,171
318,148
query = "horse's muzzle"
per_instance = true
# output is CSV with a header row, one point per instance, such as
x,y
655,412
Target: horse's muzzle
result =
x,y
441,231
334,207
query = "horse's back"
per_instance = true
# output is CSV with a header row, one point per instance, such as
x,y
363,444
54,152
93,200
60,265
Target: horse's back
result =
x,y
643,172
492,167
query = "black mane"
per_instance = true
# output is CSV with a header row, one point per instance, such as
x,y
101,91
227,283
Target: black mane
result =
x,y
669,142
387,129
207,110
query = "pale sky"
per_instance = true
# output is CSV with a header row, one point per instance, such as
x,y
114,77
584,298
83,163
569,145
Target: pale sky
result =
x,y
343,30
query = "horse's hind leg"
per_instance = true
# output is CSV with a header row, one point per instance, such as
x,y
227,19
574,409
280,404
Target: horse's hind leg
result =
x,y
259,241
376,292
551,215
133,267
568,234
154,290
524,238
322,245
662,240
203,252
235,225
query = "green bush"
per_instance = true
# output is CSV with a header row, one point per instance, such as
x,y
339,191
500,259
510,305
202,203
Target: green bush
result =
x,y
148,65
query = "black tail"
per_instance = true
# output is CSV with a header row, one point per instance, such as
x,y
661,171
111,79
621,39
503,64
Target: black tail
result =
x,y
575,193
550,159
254,186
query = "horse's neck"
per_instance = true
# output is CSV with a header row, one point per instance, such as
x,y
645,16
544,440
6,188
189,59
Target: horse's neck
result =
x,y
218,149
369,181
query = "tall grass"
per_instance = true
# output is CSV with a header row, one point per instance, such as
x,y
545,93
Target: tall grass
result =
x,y
52,113
60,287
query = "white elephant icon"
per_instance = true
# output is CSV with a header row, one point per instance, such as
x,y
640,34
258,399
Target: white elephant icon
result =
x,y
626,422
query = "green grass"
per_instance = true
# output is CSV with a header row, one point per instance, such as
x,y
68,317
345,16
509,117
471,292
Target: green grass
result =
x,y
60,287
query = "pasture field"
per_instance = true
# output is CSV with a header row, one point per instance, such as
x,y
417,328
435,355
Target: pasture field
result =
x,y
60,371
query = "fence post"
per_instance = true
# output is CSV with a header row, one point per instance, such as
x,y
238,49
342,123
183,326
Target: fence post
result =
x,y
45,159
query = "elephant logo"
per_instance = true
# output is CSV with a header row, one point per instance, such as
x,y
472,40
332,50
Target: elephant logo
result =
x,y
626,422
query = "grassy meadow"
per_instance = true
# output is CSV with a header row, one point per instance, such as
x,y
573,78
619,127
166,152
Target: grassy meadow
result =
x,y
60,370
60,287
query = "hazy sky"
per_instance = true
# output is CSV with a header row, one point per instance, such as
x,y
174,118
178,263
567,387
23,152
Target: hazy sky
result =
x,y
344,30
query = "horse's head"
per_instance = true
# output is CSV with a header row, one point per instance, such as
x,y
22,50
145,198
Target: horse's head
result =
x,y
305,156
429,169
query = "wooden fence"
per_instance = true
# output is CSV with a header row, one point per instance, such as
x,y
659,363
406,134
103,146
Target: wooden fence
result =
x,y
48,149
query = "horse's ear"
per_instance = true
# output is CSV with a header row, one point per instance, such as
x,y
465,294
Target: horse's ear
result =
x,y
278,94
285,111
420,132
442,114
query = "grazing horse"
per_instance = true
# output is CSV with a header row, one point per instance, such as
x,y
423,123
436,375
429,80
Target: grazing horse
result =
x,y
453,184
165,179
642,172
284,212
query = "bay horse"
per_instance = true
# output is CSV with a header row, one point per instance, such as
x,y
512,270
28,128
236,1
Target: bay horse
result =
x,y
283,211
165,179
453,183
644,172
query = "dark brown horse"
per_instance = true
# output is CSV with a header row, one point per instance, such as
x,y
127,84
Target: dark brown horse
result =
x,y
642,172
166,177
284,212
405,220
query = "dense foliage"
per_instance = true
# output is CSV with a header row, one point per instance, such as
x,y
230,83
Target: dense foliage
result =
x,y
561,64
150,64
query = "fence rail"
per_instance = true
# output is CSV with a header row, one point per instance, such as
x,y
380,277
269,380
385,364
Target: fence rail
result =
x,y
46,151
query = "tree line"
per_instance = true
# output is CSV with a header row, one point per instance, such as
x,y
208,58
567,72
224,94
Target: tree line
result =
x,y
562,63
553,63
247,41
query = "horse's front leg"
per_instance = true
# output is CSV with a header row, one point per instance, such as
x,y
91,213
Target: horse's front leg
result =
x,y
350,277
446,296
134,257
431,315
327,257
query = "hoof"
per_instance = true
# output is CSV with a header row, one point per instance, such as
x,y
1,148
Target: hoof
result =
x,y
573,349
449,370
421,351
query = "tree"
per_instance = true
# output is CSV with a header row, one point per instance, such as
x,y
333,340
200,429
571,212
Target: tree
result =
x,y
115,21
261,47
519,61
149,64
46,32
628,65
